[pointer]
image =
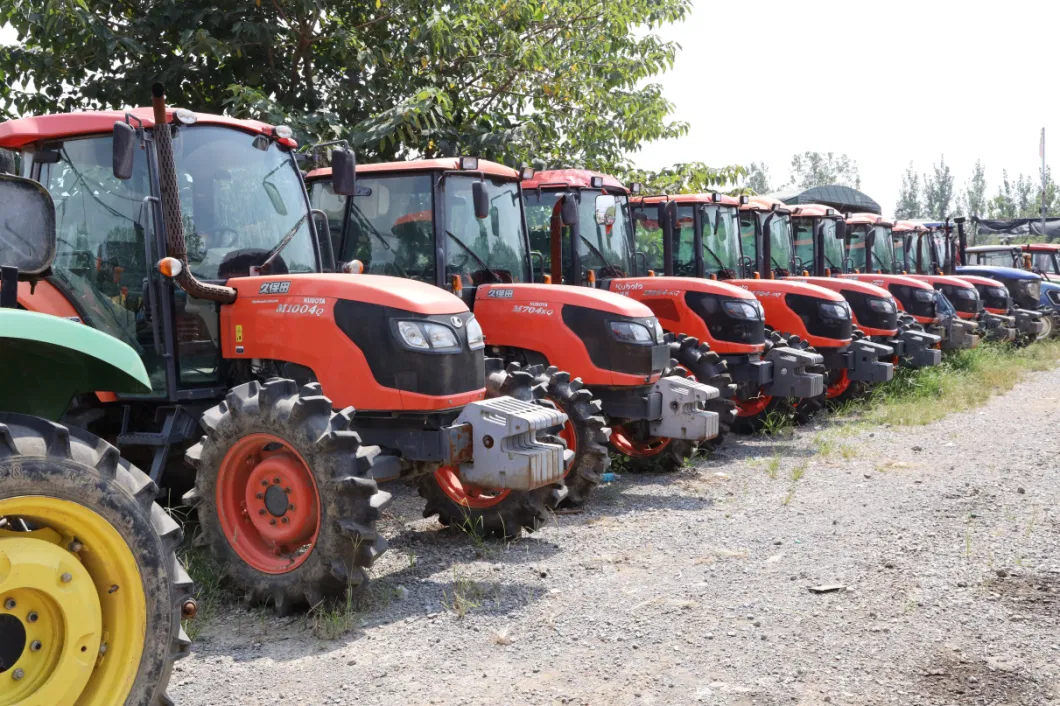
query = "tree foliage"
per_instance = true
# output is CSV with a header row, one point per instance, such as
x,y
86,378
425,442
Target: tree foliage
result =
x,y
938,191
758,178
686,178
908,205
556,81
811,169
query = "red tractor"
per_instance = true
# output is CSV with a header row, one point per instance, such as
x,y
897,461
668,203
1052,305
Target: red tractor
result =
x,y
819,253
873,255
597,249
189,236
459,224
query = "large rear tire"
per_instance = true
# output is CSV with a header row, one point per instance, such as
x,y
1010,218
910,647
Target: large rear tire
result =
x,y
91,612
493,513
285,496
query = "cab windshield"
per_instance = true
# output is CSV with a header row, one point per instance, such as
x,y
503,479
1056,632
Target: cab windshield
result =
x,y
721,239
607,235
780,240
1001,258
492,249
1044,262
855,246
882,250
901,255
938,248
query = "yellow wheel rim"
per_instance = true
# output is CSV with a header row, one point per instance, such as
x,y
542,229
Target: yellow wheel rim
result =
x,y
73,615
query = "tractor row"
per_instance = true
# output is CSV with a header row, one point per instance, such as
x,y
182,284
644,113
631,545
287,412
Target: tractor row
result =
x,y
274,333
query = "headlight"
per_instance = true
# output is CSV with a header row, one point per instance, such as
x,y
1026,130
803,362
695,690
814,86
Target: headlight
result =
x,y
965,293
923,295
424,335
834,310
475,337
883,306
659,333
629,332
997,292
1032,287
742,309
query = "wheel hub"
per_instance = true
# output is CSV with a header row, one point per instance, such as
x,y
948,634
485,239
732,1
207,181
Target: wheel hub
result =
x,y
51,623
277,499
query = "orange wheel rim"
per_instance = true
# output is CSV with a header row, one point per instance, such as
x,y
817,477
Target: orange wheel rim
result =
x,y
622,439
839,386
268,504
754,406
469,496
570,436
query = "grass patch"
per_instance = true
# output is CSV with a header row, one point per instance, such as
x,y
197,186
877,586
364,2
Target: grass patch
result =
x,y
466,596
964,380
773,466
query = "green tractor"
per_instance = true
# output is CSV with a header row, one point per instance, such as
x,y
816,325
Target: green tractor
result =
x,y
91,590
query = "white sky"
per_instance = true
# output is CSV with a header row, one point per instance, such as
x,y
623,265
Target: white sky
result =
x,y
866,94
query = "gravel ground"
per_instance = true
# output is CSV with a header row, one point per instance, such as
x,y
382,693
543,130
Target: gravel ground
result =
x,y
695,587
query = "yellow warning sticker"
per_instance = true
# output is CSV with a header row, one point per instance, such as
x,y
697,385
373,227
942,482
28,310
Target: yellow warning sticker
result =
x,y
239,333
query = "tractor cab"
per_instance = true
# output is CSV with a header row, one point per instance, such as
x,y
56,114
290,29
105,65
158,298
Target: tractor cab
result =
x,y
1044,259
597,246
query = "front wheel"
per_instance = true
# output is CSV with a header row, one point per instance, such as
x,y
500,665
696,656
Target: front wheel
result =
x,y
91,588
285,496
707,367
487,512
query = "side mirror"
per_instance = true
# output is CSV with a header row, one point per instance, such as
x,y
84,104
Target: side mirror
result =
x,y
481,199
569,214
344,172
124,150
275,197
27,217
841,229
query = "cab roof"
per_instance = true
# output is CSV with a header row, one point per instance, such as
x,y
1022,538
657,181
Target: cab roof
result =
x,y
909,227
765,203
16,134
994,248
1041,247
572,177
423,165
723,199
867,219
814,210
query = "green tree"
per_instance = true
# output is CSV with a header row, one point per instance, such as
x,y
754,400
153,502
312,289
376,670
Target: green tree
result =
x,y
811,169
1003,205
908,205
561,81
938,191
685,178
758,178
1028,197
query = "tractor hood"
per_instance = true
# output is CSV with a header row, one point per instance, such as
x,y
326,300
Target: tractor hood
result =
x,y
999,273
584,297
767,288
654,286
838,284
405,294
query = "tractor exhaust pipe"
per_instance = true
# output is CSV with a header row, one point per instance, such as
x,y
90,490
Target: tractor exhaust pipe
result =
x,y
174,223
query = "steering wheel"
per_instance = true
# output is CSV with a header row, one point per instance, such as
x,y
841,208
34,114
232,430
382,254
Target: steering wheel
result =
x,y
459,262
800,265
747,264
228,242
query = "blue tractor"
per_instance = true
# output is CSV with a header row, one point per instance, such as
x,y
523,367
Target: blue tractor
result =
x,y
1015,256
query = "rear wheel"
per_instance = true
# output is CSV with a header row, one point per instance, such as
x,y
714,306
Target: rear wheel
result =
x,y
284,494
91,591
486,512
1051,319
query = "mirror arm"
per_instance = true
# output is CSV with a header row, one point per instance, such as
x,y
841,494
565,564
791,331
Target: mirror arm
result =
x,y
324,238
151,281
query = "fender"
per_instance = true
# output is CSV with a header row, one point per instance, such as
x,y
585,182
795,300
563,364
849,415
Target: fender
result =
x,y
891,283
781,317
845,286
293,318
531,317
57,358
668,299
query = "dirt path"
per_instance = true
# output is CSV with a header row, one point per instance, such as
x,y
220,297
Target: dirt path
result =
x,y
694,588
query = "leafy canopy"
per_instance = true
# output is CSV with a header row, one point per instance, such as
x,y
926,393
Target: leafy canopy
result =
x,y
556,81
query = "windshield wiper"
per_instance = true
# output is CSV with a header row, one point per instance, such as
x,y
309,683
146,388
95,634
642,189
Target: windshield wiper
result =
x,y
714,255
598,253
282,244
472,253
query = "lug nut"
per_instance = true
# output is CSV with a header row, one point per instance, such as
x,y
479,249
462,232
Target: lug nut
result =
x,y
32,617
66,578
102,648
287,490
264,483
291,508
259,496
10,604
18,674
285,520
261,512
272,522
35,646
276,480
190,609
75,546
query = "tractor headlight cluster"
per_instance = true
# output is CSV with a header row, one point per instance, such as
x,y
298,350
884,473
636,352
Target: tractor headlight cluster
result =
x,y
630,332
882,306
476,340
750,310
659,333
1031,288
997,292
834,310
965,293
427,336
923,295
